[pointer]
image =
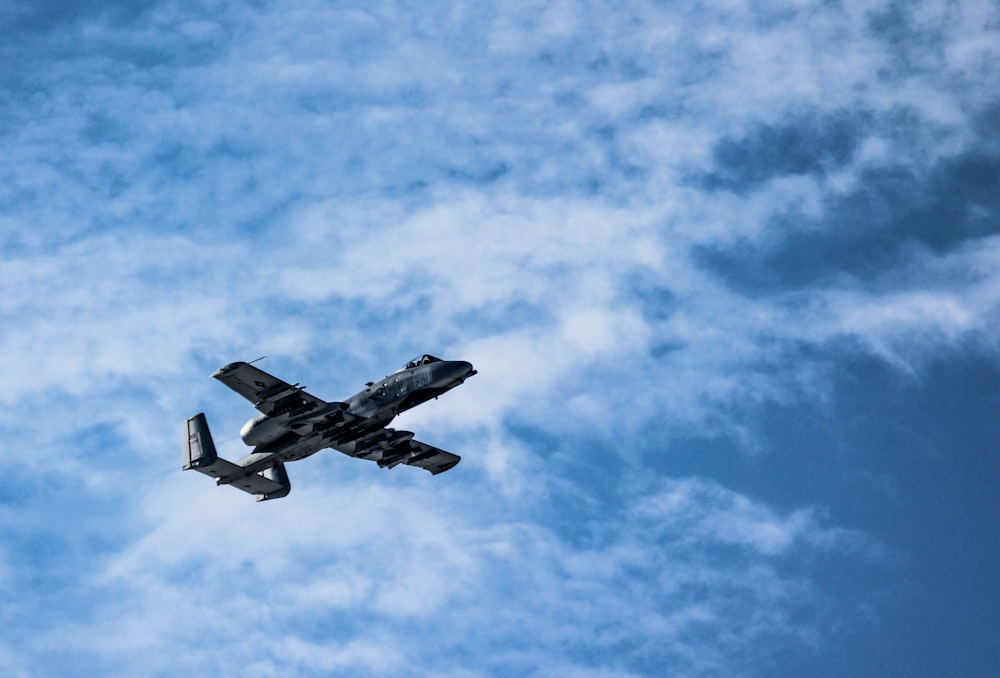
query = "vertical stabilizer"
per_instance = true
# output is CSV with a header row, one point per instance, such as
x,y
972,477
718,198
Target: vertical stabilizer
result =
x,y
199,449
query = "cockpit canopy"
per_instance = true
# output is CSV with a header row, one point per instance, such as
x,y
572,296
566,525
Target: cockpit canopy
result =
x,y
425,359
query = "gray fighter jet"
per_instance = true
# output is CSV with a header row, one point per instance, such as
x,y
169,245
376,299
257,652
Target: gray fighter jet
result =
x,y
293,424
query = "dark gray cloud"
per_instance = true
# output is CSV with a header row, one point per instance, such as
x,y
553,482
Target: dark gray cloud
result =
x,y
813,143
868,230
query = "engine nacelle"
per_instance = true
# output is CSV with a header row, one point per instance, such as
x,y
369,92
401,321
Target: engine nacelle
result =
x,y
261,430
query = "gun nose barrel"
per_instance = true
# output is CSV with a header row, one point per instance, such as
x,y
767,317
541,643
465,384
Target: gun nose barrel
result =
x,y
466,368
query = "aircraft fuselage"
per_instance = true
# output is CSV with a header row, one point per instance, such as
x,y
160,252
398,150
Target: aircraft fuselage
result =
x,y
294,424
378,404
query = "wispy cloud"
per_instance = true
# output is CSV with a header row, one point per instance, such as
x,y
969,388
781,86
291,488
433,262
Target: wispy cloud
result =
x,y
684,566
645,224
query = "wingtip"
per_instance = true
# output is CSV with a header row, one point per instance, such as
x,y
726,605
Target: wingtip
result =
x,y
445,467
227,368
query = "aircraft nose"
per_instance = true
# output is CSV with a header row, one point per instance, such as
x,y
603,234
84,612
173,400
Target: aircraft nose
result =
x,y
465,369
453,372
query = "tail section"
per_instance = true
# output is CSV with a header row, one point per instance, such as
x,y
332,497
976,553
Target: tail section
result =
x,y
200,455
279,475
199,448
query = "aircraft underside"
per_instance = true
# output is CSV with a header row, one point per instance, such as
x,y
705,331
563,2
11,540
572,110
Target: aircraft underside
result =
x,y
293,425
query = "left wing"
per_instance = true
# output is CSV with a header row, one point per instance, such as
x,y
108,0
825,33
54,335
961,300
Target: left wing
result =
x,y
288,404
269,395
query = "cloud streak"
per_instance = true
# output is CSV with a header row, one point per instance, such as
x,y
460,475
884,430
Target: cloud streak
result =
x,y
653,229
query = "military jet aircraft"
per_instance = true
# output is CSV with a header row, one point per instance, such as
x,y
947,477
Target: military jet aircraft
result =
x,y
293,424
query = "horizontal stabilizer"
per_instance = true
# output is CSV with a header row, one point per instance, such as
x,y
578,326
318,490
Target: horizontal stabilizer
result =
x,y
200,455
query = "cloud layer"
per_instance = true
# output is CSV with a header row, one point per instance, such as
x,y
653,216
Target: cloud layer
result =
x,y
655,230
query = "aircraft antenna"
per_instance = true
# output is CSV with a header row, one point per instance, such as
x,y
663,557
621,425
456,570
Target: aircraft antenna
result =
x,y
256,360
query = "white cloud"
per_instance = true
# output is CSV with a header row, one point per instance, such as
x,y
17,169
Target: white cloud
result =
x,y
415,556
517,186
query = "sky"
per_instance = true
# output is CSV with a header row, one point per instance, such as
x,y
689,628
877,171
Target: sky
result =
x,y
729,272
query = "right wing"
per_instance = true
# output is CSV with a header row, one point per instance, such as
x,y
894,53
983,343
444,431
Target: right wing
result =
x,y
389,448
428,457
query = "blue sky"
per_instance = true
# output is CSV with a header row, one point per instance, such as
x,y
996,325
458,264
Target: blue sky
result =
x,y
729,275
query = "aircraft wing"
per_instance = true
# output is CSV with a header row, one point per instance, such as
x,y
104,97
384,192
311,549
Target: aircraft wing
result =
x,y
269,395
431,458
389,448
